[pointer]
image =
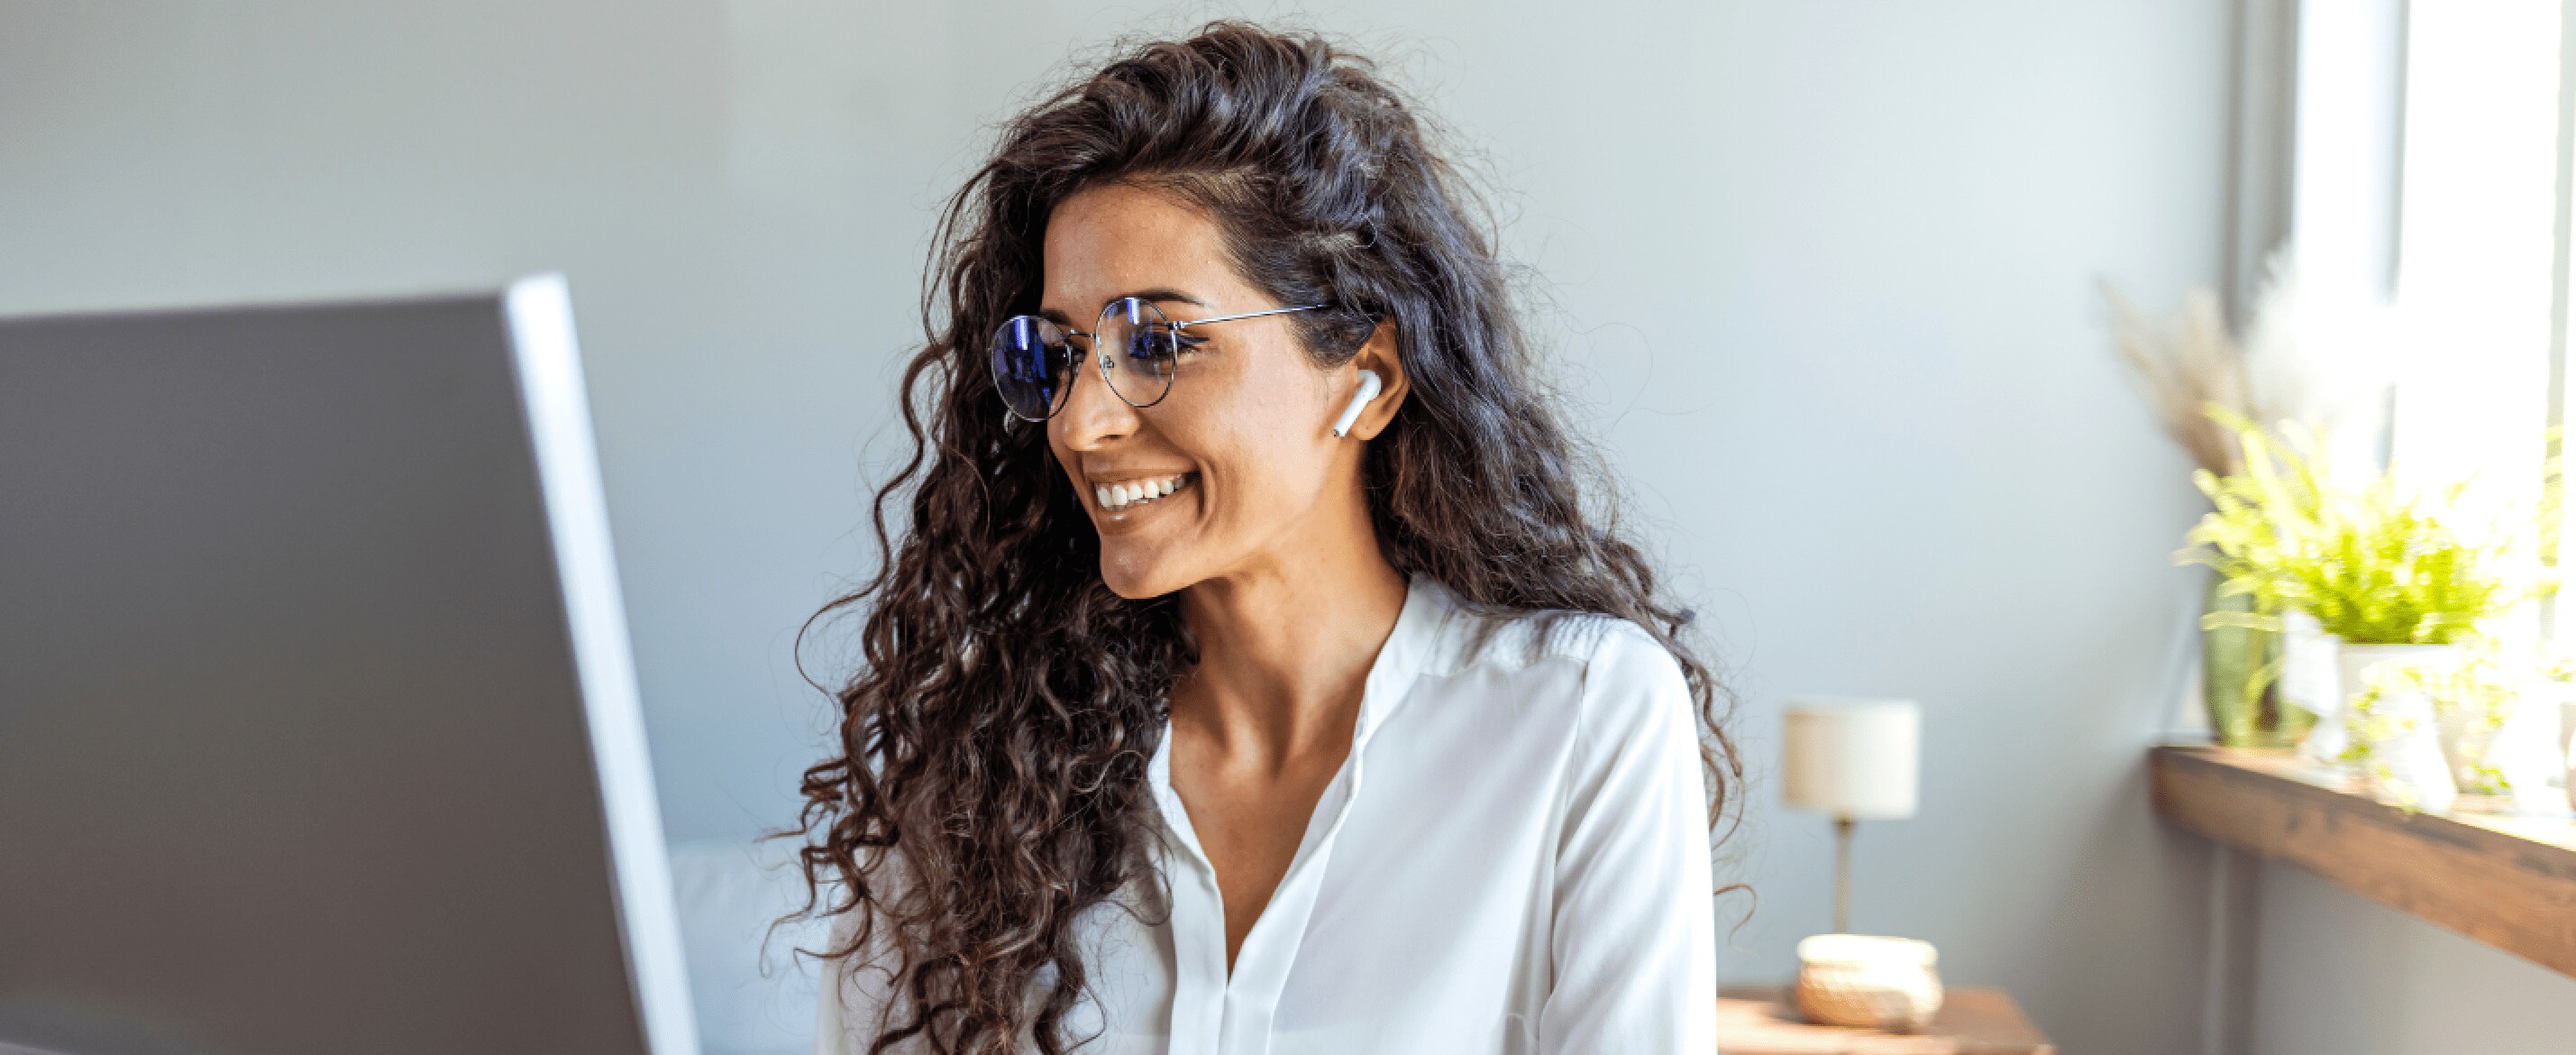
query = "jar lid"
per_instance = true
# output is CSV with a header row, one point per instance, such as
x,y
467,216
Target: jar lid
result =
x,y
1866,950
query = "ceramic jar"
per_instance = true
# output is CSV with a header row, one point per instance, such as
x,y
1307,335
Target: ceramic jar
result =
x,y
1868,981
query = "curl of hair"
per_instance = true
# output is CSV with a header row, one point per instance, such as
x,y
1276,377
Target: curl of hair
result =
x,y
993,743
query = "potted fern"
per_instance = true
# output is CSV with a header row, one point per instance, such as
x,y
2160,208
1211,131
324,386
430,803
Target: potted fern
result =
x,y
2384,573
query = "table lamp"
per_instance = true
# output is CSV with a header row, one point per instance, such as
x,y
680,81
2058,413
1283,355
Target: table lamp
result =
x,y
1848,759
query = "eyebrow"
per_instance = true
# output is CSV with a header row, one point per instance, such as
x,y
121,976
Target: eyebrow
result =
x,y
1159,295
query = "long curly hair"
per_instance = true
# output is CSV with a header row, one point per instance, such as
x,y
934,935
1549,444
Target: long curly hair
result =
x,y
990,781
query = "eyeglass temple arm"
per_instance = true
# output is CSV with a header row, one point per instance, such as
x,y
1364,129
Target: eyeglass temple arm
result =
x,y
1245,315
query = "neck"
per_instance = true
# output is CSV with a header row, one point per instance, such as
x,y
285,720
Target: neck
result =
x,y
1285,648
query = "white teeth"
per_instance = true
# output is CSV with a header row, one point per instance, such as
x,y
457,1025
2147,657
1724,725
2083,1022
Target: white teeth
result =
x,y
1114,497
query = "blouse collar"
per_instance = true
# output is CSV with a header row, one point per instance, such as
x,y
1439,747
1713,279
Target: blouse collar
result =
x,y
1412,649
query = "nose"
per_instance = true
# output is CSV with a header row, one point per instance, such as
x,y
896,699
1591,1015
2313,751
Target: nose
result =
x,y
1093,416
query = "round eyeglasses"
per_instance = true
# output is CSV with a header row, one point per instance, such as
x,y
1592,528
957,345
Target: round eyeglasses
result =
x,y
1139,351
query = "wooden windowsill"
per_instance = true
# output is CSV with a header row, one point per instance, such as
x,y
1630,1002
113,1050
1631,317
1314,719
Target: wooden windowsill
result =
x,y
2507,881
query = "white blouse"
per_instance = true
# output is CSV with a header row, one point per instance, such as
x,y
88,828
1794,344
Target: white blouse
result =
x,y
1514,859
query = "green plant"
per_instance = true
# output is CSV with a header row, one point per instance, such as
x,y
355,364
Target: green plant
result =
x,y
2375,565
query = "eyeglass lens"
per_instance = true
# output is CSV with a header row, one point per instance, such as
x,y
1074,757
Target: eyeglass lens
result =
x,y
1033,362
1140,350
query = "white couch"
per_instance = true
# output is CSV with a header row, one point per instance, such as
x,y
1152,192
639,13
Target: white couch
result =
x,y
755,995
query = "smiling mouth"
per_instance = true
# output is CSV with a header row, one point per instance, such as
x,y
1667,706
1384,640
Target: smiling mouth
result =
x,y
1132,494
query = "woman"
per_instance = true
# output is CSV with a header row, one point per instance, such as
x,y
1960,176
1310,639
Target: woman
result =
x,y
1248,675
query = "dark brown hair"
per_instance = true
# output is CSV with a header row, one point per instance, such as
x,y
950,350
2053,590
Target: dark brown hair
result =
x,y
993,744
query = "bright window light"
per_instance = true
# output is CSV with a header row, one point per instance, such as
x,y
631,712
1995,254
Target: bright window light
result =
x,y
2476,238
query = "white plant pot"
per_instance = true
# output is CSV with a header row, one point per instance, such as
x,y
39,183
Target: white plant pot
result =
x,y
2562,754
2565,694
2327,742
2409,769
2468,746
2527,751
2308,665
2523,751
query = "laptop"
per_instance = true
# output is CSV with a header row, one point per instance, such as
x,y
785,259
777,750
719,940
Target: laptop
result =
x,y
318,719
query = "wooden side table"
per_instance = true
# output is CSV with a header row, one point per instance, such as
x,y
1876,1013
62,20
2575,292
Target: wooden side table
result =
x,y
1759,1020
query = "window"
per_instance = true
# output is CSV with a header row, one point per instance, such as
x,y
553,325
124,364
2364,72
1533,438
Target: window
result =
x,y
2430,193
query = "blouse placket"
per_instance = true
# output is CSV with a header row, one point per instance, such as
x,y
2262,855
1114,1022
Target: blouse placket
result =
x,y
1212,1013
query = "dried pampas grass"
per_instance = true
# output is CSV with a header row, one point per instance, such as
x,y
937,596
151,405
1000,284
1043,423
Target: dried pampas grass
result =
x,y
2305,359
2184,366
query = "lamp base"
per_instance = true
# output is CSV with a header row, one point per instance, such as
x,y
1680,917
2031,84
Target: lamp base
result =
x,y
1842,874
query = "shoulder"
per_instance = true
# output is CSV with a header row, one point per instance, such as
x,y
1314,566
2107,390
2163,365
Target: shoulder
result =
x,y
1633,687
1622,658
1607,652
1613,701
1609,670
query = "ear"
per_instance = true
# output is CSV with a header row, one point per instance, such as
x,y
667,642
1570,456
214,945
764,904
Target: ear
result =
x,y
1379,354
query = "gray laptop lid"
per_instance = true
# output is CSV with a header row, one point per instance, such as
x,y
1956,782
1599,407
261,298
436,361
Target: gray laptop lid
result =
x,y
318,727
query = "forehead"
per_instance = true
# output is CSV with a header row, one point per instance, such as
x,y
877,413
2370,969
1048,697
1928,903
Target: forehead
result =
x,y
1108,242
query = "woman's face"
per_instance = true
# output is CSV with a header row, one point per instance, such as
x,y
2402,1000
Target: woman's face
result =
x,y
1244,440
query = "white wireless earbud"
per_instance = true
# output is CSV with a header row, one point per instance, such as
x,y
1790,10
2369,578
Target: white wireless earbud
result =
x,y
1369,385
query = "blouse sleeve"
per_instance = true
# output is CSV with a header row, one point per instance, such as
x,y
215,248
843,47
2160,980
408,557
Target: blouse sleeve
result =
x,y
1635,942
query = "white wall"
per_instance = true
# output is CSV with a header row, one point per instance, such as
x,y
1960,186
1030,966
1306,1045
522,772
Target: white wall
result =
x,y
1821,271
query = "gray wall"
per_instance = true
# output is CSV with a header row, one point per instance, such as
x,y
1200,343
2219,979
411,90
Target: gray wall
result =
x,y
1820,272
2340,975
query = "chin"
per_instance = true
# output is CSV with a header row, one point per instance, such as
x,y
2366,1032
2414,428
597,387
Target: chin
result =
x,y
1133,572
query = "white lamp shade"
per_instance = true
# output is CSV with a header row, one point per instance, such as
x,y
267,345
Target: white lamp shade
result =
x,y
1851,757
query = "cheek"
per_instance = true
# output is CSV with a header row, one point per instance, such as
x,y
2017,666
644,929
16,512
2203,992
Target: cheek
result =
x,y
1061,456
1263,449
